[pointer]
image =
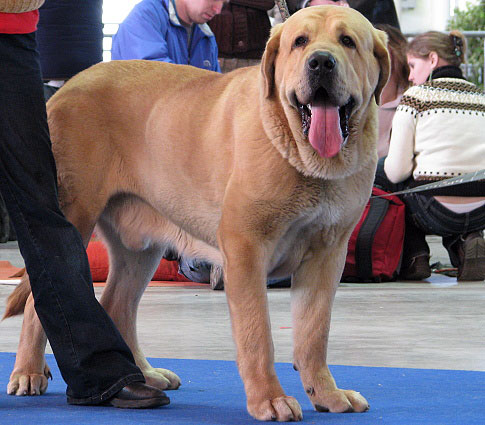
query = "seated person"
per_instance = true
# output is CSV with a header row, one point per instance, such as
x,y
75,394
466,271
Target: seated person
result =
x,y
438,134
242,30
398,83
377,11
173,31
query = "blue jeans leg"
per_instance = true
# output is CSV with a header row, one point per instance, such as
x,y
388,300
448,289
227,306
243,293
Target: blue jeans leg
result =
x,y
426,216
93,358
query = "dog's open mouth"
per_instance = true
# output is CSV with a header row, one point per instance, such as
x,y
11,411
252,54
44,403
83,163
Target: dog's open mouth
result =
x,y
326,125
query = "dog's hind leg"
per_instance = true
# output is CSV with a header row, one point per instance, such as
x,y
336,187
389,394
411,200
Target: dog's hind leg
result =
x,y
129,274
30,372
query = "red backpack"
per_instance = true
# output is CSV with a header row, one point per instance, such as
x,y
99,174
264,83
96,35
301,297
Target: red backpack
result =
x,y
375,246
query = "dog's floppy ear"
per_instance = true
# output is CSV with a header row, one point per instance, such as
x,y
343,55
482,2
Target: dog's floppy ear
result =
x,y
382,55
269,56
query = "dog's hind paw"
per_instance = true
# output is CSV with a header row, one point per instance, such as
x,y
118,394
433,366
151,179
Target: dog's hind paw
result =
x,y
281,409
23,384
162,379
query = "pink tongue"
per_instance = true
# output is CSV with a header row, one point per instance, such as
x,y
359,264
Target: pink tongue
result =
x,y
325,135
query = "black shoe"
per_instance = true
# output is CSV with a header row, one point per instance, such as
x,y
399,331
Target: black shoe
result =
x,y
417,269
136,395
471,254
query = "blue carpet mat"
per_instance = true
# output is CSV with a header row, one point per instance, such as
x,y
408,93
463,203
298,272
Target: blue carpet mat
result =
x,y
212,393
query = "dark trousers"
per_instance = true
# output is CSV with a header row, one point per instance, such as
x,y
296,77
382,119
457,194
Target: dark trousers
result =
x,y
426,216
93,358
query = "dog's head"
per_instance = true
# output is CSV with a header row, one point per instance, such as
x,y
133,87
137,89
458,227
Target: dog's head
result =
x,y
326,65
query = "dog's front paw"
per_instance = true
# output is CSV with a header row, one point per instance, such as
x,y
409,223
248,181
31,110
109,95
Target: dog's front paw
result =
x,y
163,379
339,401
24,383
281,409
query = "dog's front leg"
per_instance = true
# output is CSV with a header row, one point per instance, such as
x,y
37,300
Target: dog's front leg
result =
x,y
245,286
313,291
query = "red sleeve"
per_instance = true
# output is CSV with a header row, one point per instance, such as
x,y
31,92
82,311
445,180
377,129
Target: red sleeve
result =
x,y
19,23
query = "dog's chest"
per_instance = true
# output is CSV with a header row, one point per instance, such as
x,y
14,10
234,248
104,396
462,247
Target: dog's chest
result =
x,y
319,211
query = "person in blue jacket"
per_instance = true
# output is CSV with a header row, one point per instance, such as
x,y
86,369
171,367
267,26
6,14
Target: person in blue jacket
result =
x,y
173,31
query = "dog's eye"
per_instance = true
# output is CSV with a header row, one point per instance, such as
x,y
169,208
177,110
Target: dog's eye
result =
x,y
347,41
301,41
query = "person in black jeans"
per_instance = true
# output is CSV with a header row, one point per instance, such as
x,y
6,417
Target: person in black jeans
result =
x,y
438,134
94,360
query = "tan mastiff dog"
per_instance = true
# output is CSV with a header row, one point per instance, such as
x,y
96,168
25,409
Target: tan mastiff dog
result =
x,y
264,170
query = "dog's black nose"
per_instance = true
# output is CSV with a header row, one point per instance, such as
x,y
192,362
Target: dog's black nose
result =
x,y
321,62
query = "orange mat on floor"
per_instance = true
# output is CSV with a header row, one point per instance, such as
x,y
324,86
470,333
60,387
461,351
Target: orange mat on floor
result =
x,y
99,263
9,272
166,274
158,283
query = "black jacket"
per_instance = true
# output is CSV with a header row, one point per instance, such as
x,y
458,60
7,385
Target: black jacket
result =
x,y
377,11
69,37
242,28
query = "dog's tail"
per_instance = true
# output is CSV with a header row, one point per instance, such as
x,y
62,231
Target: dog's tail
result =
x,y
17,299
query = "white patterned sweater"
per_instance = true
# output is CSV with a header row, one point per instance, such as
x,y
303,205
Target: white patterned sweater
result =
x,y
19,6
438,131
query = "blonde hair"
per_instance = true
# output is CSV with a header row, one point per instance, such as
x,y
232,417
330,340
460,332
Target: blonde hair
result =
x,y
449,47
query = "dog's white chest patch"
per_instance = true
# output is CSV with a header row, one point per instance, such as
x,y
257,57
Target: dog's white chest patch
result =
x,y
295,243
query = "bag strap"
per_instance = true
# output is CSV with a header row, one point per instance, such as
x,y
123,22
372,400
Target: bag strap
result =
x,y
365,239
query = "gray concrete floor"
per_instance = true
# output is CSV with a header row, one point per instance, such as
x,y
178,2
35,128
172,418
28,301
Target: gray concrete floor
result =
x,y
436,323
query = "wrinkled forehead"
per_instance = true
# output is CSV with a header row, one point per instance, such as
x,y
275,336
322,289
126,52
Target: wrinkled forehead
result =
x,y
328,22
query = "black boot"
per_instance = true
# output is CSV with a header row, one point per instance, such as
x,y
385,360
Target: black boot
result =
x,y
417,268
471,256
